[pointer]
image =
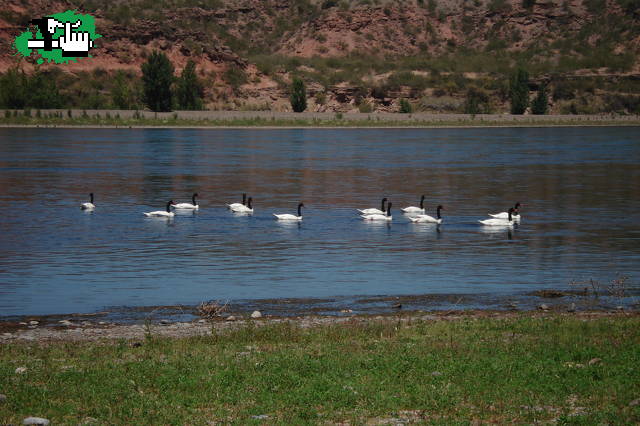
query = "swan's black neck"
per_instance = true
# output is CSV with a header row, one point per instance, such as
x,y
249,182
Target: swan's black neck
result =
x,y
249,203
91,196
169,206
193,199
438,212
300,209
389,209
510,219
244,199
422,202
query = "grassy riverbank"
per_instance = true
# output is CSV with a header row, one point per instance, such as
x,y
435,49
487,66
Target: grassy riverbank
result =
x,y
527,368
106,118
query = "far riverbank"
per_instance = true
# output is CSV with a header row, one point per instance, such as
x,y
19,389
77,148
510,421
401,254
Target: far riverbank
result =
x,y
270,119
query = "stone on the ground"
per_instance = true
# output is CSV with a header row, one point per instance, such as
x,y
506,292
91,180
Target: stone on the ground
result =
x,y
256,314
3,397
21,370
202,321
634,403
436,374
260,417
35,421
543,307
65,322
620,308
231,318
595,361
34,322
572,308
165,322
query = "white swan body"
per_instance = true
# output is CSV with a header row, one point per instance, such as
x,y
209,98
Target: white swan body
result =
x,y
413,209
379,217
242,208
162,213
374,211
238,205
89,205
496,222
289,216
425,218
499,222
505,215
188,206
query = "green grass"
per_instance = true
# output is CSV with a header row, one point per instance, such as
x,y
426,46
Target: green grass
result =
x,y
522,370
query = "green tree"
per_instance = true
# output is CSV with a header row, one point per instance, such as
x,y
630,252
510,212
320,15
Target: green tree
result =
x,y
519,91
405,106
123,94
42,91
157,76
298,95
541,102
477,102
13,89
189,91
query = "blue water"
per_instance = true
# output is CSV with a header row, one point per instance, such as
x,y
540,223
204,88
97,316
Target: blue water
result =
x,y
579,187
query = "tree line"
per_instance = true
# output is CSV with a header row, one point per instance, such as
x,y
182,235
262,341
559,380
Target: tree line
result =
x,y
163,91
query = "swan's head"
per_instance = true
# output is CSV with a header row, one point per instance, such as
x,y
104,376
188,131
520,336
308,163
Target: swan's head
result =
x,y
300,205
440,207
195,194
422,198
517,206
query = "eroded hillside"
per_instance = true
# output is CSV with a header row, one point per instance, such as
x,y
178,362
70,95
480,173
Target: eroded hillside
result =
x,y
359,55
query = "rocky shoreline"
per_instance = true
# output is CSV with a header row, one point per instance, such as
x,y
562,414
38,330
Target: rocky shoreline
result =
x,y
67,330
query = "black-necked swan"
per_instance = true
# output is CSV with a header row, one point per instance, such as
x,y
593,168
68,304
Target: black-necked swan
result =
x,y
376,216
505,215
288,216
162,213
375,211
428,219
242,208
413,209
238,205
500,222
89,205
188,206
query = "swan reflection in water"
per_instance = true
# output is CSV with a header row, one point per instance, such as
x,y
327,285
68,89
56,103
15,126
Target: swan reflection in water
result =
x,y
499,230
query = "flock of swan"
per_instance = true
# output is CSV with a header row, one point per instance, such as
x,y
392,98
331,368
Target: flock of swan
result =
x,y
415,214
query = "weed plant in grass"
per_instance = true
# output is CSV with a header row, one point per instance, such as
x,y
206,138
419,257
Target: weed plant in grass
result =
x,y
522,369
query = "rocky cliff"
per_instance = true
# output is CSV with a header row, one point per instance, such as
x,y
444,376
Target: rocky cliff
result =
x,y
355,53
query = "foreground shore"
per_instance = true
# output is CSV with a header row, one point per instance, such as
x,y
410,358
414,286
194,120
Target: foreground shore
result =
x,y
459,367
269,119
